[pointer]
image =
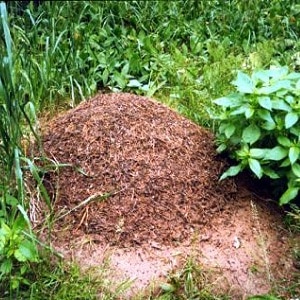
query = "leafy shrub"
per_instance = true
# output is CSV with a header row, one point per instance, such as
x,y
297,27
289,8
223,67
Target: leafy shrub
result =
x,y
17,251
260,127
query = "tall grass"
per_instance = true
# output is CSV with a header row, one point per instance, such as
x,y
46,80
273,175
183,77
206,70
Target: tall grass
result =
x,y
17,245
184,52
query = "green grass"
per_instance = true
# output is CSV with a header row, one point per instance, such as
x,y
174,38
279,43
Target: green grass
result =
x,y
184,53
190,282
56,280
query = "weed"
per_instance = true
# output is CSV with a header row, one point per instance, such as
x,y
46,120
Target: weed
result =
x,y
259,127
188,283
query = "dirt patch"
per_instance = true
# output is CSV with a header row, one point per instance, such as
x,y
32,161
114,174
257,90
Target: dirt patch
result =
x,y
165,201
244,252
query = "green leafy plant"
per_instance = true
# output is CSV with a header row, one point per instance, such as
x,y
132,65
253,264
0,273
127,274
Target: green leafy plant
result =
x,y
17,251
259,127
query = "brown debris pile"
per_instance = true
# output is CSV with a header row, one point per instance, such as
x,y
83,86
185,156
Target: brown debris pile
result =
x,y
161,168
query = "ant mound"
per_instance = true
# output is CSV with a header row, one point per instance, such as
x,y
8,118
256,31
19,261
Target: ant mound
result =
x,y
140,183
133,172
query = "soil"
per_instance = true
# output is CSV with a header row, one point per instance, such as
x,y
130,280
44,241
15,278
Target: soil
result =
x,y
141,182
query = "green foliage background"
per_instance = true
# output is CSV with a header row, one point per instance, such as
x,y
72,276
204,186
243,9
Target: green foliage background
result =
x,y
184,52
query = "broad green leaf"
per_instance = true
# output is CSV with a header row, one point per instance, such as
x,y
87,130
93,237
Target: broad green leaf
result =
x,y
280,104
295,131
277,153
294,154
12,201
266,90
19,256
26,251
249,112
289,99
255,167
293,76
257,153
235,140
290,194
6,266
278,73
232,171
265,115
270,173
5,230
251,134
19,224
120,79
284,141
261,75
240,110
281,93
223,127
229,131
265,102
290,119
133,83
296,169
229,101
283,84
269,126
221,148
244,83
285,163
